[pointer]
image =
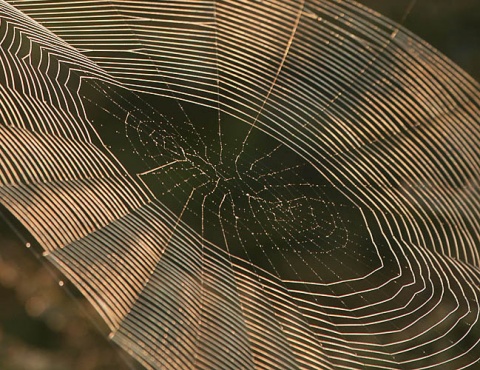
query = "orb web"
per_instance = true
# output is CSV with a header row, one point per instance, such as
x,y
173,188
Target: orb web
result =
x,y
237,184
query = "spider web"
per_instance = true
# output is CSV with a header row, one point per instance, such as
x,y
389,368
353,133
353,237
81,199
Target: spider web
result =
x,y
248,184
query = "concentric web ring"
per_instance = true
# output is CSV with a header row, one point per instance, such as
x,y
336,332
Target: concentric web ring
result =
x,y
248,184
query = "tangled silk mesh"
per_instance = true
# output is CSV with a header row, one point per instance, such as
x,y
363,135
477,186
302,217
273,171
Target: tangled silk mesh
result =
x,y
248,184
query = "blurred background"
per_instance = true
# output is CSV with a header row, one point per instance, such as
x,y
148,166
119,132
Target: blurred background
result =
x,y
451,26
44,325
